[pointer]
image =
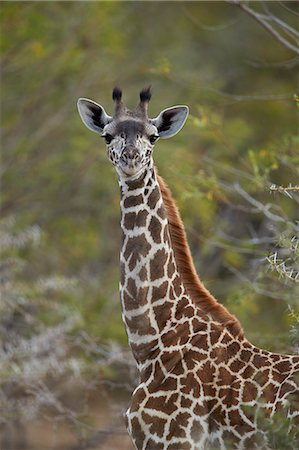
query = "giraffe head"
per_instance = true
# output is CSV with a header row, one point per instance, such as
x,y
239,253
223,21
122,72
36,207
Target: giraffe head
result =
x,y
130,136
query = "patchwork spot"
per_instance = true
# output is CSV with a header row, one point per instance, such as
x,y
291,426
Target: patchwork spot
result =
x,y
178,425
133,200
159,292
161,212
167,404
132,220
163,314
154,197
190,385
249,392
206,373
137,432
196,430
157,265
143,273
155,424
225,377
155,229
136,247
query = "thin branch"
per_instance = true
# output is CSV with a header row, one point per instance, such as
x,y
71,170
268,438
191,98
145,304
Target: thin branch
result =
x,y
290,10
260,18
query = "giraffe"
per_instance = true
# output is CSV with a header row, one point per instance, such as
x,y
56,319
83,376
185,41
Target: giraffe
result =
x,y
202,384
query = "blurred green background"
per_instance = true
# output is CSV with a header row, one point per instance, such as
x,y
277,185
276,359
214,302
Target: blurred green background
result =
x,y
60,202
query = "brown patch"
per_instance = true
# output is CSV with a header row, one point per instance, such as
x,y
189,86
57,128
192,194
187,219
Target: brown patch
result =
x,y
178,369
196,431
129,220
137,398
190,385
166,404
177,284
170,359
181,446
155,229
137,432
236,365
141,218
136,247
142,273
146,373
202,343
225,377
161,212
163,314
178,425
152,445
170,338
181,305
248,372
157,265
250,392
154,197
198,325
186,402
171,269
269,392
191,358
215,333
122,274
235,418
141,324
218,355
131,287
287,388
200,410
159,292
283,366
262,377
142,352
206,373
155,424
217,418
233,348
245,355
229,397
129,302
133,200
260,361
169,384
136,184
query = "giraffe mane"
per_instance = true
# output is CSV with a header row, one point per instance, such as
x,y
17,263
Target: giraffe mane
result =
x,y
197,291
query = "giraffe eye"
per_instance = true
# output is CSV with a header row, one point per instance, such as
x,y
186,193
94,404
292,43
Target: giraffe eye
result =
x,y
153,138
108,138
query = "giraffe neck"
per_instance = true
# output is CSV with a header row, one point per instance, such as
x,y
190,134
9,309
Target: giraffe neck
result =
x,y
150,284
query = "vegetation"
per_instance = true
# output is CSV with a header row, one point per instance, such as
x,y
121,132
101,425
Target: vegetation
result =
x,y
233,171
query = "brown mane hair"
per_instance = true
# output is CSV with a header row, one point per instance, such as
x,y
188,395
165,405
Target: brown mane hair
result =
x,y
195,288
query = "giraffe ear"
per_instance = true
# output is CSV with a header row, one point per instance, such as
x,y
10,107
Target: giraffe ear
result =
x,y
171,120
93,115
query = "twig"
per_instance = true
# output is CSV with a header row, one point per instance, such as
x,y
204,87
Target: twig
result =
x,y
262,20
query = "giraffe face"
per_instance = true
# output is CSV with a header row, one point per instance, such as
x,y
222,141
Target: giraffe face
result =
x,y
130,136
130,144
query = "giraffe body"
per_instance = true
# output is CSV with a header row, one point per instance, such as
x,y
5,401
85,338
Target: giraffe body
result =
x,y
202,384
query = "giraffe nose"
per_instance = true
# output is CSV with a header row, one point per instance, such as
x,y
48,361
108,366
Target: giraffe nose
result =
x,y
130,155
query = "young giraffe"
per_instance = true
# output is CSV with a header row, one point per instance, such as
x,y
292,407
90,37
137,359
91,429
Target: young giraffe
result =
x,y
202,384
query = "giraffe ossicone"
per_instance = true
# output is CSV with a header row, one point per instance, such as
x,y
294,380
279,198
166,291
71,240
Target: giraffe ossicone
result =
x,y
202,384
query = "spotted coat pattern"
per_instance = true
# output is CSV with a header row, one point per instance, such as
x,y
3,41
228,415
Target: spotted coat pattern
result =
x,y
201,385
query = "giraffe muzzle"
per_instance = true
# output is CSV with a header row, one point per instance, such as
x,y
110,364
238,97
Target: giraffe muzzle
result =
x,y
130,157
